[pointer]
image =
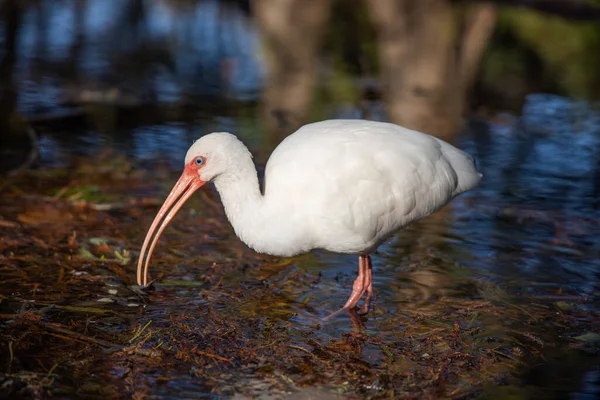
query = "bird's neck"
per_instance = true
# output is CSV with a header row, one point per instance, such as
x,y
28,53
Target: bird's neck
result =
x,y
254,222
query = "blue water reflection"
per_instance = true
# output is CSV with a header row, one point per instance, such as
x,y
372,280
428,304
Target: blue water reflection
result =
x,y
210,50
531,224
530,228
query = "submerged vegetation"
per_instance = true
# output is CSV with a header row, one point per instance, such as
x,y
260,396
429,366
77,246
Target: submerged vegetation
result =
x,y
223,320
497,299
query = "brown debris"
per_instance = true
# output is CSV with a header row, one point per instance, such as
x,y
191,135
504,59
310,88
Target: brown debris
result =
x,y
222,319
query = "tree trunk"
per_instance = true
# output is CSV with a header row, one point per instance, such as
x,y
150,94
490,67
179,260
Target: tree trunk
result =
x,y
292,31
429,56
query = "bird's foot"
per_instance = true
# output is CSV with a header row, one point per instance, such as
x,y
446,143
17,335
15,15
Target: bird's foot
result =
x,y
353,310
350,304
364,309
362,284
334,314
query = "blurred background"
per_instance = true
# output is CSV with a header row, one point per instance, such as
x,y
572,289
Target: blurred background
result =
x,y
150,75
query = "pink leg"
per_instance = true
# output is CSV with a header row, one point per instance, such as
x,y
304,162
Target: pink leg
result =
x,y
362,284
359,286
369,286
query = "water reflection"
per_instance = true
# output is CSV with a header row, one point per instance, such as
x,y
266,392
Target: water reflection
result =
x,y
531,224
542,201
530,229
204,50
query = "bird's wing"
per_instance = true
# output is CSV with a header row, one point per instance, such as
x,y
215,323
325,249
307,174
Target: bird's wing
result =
x,y
358,182
389,189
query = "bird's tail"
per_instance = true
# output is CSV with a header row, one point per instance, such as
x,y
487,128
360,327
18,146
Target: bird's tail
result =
x,y
465,167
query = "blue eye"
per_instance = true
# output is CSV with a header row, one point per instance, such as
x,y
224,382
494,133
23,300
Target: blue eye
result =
x,y
199,161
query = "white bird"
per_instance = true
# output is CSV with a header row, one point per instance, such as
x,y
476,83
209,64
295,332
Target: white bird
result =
x,y
340,185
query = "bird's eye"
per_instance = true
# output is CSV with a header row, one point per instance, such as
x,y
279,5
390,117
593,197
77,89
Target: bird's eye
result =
x,y
199,161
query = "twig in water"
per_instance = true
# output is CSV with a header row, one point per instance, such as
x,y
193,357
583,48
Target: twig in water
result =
x,y
216,357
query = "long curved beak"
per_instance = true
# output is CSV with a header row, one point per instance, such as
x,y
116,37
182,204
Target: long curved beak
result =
x,y
187,184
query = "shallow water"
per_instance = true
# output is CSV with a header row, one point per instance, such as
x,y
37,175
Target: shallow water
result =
x,y
531,225
529,231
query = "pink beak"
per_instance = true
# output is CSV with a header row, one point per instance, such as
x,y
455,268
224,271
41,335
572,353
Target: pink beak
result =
x,y
187,184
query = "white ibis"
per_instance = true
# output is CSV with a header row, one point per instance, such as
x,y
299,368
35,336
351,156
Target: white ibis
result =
x,y
340,185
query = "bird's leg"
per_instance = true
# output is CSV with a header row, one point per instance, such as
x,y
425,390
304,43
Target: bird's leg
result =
x,y
359,286
369,286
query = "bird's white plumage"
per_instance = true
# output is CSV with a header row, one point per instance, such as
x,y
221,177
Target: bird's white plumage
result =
x,y
339,185
352,183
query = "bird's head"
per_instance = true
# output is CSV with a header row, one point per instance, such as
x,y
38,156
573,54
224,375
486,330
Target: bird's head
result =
x,y
213,155
209,158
